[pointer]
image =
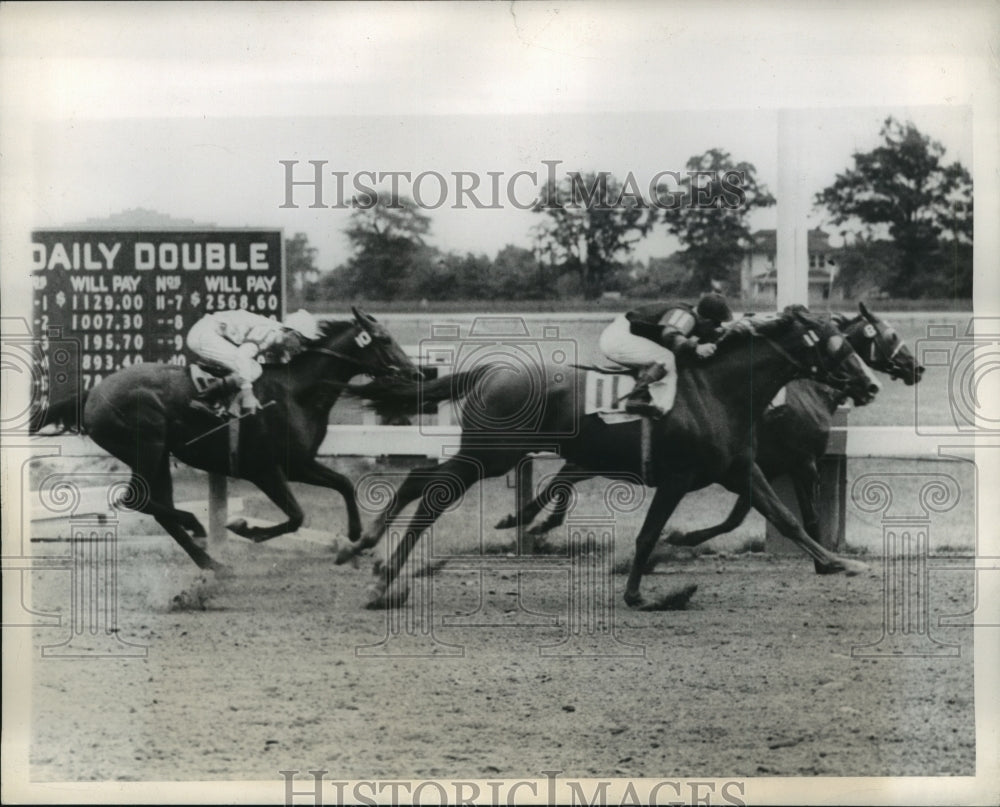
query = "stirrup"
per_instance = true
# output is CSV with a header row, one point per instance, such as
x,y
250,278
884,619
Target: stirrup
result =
x,y
644,409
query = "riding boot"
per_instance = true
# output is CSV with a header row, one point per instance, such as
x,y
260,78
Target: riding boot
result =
x,y
652,396
214,398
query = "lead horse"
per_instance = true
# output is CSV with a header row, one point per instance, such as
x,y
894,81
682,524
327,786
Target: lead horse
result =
x,y
707,437
791,437
142,416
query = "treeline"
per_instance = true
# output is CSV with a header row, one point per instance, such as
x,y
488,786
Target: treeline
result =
x,y
905,216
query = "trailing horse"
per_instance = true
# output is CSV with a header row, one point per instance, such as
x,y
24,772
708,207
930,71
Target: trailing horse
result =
x,y
142,416
791,437
707,437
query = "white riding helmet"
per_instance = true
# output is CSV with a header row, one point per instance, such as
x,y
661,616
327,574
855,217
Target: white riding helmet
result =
x,y
304,323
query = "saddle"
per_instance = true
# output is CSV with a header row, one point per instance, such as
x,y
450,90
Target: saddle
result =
x,y
605,391
212,393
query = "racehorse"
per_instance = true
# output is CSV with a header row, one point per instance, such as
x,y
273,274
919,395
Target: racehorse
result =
x,y
142,415
791,437
707,436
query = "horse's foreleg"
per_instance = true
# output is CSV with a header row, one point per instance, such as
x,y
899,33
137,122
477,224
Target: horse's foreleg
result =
x,y
273,484
411,490
442,490
767,503
315,473
805,481
665,501
806,485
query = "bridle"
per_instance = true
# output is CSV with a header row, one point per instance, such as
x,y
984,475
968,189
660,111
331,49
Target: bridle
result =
x,y
826,365
880,356
373,368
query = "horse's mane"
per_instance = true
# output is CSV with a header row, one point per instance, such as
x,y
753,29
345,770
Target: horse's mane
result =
x,y
769,328
329,330
332,328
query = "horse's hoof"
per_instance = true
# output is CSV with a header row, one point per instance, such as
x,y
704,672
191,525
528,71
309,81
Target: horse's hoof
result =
x,y
196,529
375,597
377,568
675,601
345,554
634,600
675,538
240,527
841,566
506,523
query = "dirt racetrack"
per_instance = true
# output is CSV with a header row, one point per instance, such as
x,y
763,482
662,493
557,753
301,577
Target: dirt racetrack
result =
x,y
280,668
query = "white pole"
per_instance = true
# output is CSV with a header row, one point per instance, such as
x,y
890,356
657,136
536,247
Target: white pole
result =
x,y
792,258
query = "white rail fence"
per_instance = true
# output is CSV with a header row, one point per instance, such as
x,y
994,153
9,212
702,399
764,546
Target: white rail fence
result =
x,y
437,434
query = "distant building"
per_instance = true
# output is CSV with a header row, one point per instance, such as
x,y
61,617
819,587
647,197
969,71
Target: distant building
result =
x,y
139,218
759,277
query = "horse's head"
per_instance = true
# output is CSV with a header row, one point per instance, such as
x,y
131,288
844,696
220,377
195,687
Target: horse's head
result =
x,y
878,343
823,353
366,344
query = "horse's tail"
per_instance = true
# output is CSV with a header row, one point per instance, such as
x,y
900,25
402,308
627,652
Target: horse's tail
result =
x,y
408,397
66,415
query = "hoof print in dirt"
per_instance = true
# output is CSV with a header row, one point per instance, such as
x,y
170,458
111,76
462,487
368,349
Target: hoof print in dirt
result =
x,y
675,601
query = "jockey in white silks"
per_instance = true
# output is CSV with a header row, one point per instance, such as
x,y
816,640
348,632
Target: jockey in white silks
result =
x,y
648,337
238,340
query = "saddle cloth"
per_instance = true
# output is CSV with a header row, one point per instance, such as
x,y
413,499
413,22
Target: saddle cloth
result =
x,y
204,375
603,390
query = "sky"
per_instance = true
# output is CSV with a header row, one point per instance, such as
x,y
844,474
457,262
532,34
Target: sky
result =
x,y
189,112
227,171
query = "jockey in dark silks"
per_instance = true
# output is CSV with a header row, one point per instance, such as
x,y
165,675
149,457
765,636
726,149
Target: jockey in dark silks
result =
x,y
647,339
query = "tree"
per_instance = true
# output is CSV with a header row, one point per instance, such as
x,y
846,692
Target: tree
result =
x,y
300,269
709,212
519,275
904,186
388,243
592,222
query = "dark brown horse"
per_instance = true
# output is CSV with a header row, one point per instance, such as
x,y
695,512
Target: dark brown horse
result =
x,y
790,438
707,437
142,416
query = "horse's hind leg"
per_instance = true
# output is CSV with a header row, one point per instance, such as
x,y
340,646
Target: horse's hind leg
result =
x,y
767,503
151,491
558,489
696,537
274,485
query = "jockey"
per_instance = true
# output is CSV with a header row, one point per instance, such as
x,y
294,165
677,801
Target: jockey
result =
x,y
240,340
647,338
